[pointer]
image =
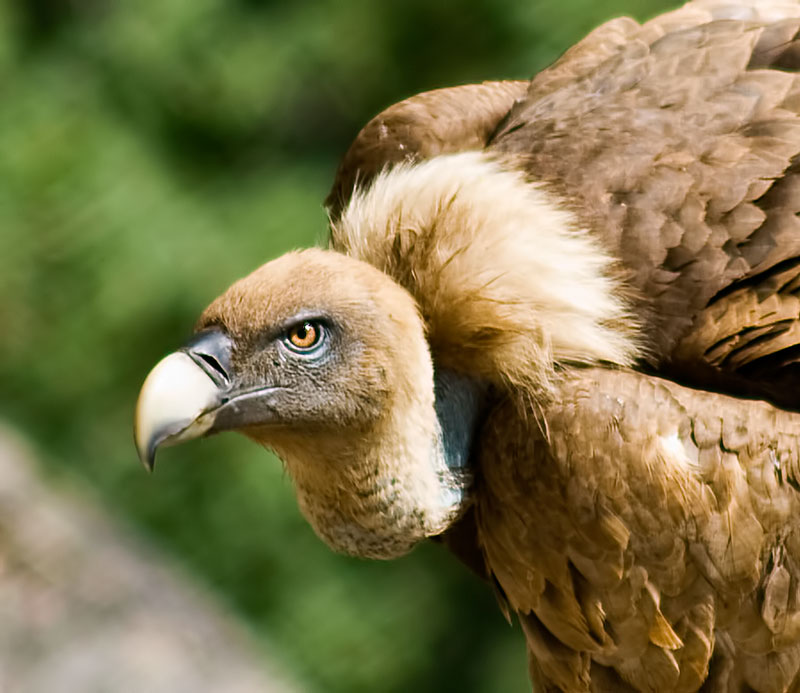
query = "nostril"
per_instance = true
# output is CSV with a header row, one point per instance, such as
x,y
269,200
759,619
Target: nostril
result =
x,y
211,361
211,350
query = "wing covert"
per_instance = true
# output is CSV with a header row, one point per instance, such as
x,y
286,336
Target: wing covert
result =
x,y
648,523
679,149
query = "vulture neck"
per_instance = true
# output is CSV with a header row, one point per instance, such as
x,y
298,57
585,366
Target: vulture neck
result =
x,y
379,494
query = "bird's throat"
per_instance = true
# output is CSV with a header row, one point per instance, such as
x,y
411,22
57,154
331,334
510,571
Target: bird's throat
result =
x,y
379,497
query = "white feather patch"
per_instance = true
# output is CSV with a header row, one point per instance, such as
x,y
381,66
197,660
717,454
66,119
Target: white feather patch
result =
x,y
479,245
681,453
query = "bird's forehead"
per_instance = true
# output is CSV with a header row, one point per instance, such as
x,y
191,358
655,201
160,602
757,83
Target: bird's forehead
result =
x,y
301,283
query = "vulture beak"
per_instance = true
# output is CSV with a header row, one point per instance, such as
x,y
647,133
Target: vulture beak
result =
x,y
182,395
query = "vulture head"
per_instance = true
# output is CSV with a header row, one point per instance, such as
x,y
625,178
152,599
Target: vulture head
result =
x,y
366,367
322,358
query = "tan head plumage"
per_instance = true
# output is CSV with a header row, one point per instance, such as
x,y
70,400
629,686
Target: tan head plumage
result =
x,y
353,416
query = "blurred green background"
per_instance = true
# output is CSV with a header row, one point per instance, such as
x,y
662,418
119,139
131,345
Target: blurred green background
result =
x,y
150,153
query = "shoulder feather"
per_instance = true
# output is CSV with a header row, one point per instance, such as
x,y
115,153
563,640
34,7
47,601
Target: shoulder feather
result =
x,y
423,126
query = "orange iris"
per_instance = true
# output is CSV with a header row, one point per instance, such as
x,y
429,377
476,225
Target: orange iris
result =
x,y
304,336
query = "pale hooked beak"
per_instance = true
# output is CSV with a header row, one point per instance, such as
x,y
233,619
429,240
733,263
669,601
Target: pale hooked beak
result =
x,y
180,396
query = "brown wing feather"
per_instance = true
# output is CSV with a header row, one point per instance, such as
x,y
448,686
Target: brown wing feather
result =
x,y
652,522
460,118
679,149
435,122
584,57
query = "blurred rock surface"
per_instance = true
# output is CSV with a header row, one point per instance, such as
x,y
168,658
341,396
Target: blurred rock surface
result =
x,y
87,607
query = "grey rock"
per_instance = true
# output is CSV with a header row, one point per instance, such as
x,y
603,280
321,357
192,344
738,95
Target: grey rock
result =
x,y
86,606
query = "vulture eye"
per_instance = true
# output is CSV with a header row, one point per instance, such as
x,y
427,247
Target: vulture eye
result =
x,y
304,336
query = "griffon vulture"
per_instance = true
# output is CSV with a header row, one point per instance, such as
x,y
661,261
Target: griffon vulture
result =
x,y
558,327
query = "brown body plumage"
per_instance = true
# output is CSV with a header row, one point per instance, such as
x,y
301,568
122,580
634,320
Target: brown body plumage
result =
x,y
520,277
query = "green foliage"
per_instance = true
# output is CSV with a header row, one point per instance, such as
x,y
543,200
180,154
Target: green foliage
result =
x,y
150,153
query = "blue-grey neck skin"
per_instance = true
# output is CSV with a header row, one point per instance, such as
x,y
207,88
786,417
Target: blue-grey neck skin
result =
x,y
459,402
